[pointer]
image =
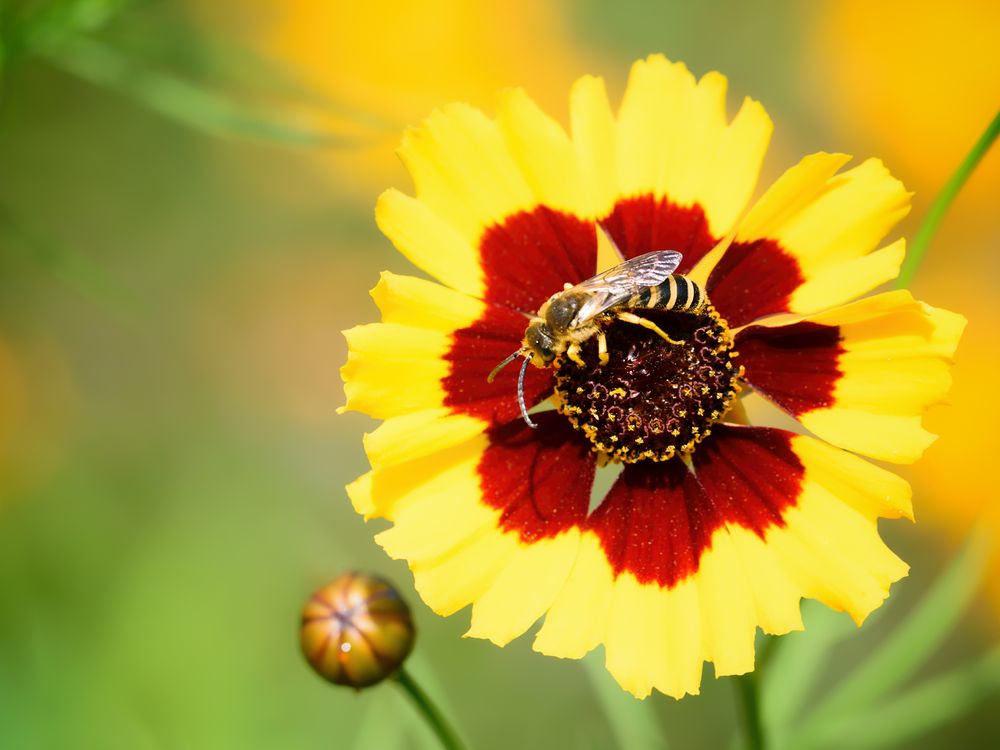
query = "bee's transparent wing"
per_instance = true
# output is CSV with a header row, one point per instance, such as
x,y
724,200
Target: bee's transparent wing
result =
x,y
617,284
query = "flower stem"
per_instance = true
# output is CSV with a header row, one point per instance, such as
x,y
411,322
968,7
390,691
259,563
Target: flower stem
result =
x,y
940,206
429,712
746,691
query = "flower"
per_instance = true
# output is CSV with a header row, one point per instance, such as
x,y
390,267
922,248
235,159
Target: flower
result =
x,y
685,557
356,630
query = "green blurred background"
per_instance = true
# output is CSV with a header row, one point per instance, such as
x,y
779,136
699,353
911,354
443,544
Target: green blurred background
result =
x,y
186,193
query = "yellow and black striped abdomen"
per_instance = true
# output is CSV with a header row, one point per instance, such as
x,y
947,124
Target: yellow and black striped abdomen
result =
x,y
675,293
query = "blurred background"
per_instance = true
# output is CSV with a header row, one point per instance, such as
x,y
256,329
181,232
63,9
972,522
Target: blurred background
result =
x,y
186,225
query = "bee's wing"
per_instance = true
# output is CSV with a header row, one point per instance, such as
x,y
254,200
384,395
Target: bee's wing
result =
x,y
617,284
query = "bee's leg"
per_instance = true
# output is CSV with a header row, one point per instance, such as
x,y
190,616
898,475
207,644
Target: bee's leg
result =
x,y
602,347
573,352
630,318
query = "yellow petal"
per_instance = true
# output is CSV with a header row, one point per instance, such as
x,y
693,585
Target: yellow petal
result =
x,y
830,547
410,301
524,590
790,194
728,611
830,224
729,184
837,282
593,128
378,353
431,522
360,493
868,386
419,434
654,638
608,254
835,555
776,597
394,487
429,241
448,523
635,647
856,210
896,362
452,582
674,141
463,171
577,620
870,490
888,437
542,151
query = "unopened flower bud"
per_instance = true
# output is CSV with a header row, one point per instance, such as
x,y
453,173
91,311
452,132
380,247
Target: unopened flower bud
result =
x,y
356,630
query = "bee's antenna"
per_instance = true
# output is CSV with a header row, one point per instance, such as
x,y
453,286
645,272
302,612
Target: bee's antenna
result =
x,y
499,367
520,394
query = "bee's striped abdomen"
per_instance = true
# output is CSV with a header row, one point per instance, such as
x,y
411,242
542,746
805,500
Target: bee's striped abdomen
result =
x,y
690,296
675,293
646,297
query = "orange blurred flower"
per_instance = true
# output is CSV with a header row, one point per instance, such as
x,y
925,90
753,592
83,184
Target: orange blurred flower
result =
x,y
37,403
384,65
12,405
917,81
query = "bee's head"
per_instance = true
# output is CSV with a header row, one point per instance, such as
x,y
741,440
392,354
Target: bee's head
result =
x,y
540,342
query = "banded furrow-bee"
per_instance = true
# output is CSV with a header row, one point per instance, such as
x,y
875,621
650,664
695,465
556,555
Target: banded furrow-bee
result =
x,y
572,316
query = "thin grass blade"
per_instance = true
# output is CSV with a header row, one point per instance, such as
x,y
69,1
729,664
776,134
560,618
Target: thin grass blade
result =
x,y
917,711
633,722
796,664
913,641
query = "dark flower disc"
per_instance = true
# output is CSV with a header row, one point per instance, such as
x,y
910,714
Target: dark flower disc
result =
x,y
653,399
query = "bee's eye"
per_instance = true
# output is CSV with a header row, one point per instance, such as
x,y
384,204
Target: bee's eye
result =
x,y
561,311
541,341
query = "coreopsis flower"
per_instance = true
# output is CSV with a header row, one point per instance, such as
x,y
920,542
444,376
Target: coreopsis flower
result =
x,y
714,527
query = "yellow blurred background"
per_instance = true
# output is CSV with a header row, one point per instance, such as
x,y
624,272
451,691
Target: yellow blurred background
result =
x,y
171,465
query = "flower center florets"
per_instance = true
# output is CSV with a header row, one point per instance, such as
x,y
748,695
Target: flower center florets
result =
x,y
653,399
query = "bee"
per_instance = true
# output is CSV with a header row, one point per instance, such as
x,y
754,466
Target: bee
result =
x,y
577,313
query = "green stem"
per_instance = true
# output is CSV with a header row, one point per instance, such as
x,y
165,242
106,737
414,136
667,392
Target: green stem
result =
x,y
940,206
429,712
746,691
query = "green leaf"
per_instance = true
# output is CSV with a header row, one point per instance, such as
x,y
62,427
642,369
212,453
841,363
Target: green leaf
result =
x,y
179,99
796,664
36,27
919,710
913,641
633,722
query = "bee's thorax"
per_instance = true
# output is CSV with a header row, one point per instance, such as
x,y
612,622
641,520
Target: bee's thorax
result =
x,y
560,310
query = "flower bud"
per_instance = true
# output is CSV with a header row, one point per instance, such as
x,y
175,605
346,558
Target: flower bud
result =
x,y
356,630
